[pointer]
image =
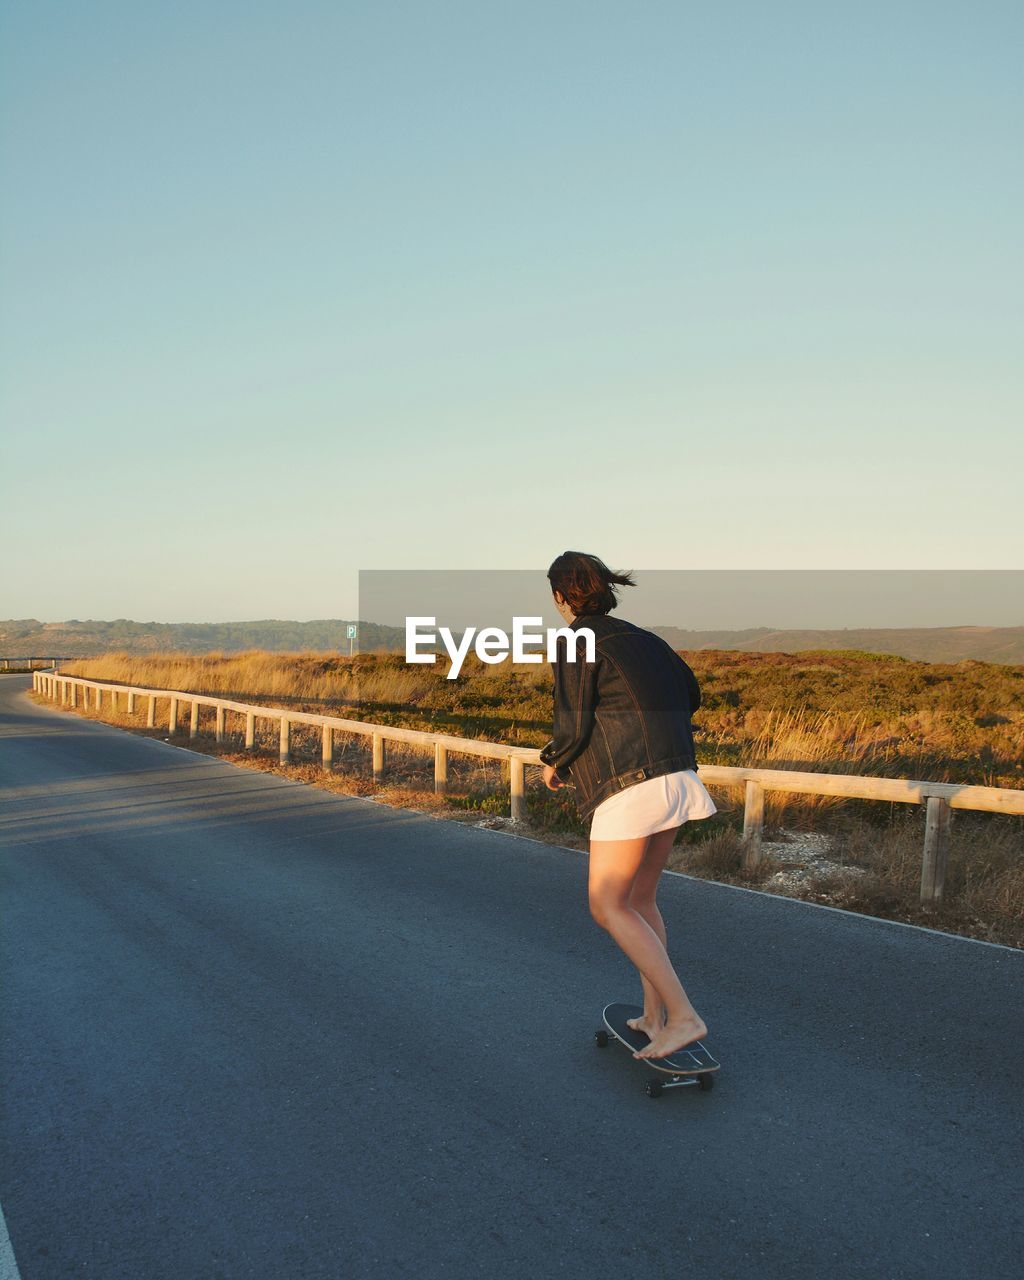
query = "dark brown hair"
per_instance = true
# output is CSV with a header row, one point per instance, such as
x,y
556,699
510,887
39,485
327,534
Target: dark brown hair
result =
x,y
586,582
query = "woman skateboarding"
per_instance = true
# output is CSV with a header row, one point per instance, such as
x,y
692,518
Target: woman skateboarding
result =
x,y
621,731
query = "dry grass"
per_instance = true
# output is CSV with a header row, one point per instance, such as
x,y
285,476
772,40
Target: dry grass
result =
x,y
836,712
984,889
719,857
281,679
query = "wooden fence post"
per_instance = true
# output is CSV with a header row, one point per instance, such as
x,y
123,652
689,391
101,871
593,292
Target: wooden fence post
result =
x,y
327,748
440,767
98,699
517,787
285,753
151,712
753,823
193,726
218,728
250,731
131,702
172,717
936,849
378,757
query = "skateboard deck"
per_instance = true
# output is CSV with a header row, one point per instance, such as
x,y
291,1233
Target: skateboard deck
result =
x,y
691,1065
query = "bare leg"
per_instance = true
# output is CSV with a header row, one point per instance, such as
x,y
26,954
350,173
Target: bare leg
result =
x,y
614,865
642,899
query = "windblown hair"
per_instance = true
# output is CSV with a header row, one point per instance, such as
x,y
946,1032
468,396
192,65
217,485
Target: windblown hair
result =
x,y
586,582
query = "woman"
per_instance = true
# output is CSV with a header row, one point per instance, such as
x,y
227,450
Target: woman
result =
x,y
622,733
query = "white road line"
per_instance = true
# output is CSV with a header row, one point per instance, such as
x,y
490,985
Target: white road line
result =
x,y
8,1267
843,911
762,893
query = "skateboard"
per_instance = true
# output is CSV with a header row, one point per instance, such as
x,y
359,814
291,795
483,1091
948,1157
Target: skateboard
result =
x,y
691,1065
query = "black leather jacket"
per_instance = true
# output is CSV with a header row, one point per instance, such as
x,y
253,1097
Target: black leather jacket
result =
x,y
625,716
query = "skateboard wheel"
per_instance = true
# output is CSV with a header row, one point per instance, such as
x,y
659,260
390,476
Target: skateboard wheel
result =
x,y
601,1039
653,1088
706,1082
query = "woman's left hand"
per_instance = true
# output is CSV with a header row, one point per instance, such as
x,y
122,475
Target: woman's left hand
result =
x,y
551,779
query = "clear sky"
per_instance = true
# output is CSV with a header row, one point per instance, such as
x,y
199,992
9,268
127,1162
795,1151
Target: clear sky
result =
x,y
294,290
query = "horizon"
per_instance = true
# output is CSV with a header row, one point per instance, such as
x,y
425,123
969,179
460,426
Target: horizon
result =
x,y
343,621
77,638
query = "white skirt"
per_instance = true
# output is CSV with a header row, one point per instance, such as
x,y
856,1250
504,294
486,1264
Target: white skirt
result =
x,y
666,800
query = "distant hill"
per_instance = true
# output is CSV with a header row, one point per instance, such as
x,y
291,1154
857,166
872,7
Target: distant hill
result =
x,y
27,637
927,644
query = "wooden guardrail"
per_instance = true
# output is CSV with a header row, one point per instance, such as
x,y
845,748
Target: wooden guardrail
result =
x,y
939,798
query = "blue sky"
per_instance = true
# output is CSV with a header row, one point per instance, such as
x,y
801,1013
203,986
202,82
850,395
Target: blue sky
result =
x,y
290,291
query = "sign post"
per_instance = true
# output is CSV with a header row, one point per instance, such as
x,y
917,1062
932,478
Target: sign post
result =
x,y
351,637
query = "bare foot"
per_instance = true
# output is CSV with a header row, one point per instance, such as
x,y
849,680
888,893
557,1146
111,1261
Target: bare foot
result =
x,y
673,1036
649,1024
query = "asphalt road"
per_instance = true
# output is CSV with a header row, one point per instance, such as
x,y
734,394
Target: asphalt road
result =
x,y
251,1029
